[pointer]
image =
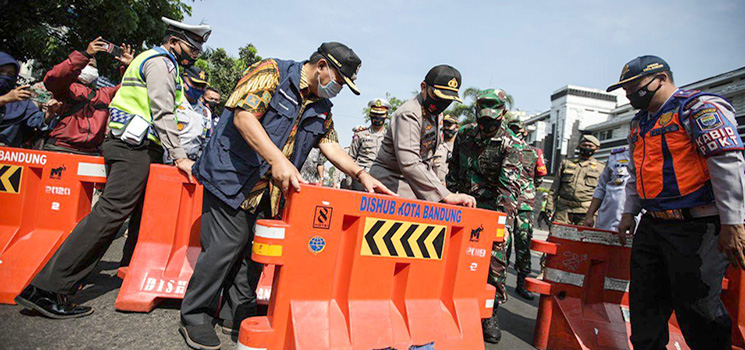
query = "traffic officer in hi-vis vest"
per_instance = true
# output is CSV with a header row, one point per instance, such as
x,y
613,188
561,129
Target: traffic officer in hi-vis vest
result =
x,y
687,172
142,124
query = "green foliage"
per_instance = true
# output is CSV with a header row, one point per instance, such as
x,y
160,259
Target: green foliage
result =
x,y
466,111
225,70
393,100
49,30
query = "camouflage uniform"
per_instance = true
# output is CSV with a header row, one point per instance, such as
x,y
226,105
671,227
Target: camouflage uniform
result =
x,y
309,170
529,170
475,164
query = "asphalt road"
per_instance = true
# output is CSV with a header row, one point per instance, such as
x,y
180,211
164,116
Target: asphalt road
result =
x,y
110,329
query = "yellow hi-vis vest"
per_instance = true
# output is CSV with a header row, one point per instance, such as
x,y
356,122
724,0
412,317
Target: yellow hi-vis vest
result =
x,y
132,98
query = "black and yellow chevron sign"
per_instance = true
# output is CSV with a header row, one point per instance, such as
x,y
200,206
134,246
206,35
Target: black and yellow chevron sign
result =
x,y
401,239
10,178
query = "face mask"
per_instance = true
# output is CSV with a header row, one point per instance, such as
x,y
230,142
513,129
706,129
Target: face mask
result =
x,y
329,90
211,105
641,98
435,106
7,82
377,121
192,93
182,58
488,125
88,75
586,151
448,133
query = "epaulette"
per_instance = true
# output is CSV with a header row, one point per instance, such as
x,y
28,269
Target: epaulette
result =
x,y
359,128
618,150
685,93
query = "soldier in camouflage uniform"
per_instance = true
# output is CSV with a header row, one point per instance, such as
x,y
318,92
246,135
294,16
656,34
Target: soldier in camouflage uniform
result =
x,y
478,168
313,169
532,170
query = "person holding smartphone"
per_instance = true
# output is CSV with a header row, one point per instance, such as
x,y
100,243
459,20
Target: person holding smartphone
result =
x,y
20,118
85,110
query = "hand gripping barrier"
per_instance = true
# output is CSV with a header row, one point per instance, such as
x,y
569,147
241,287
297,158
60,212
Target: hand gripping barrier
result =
x,y
42,196
362,271
168,243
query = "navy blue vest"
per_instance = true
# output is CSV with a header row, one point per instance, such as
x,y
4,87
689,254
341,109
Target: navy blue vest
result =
x,y
229,167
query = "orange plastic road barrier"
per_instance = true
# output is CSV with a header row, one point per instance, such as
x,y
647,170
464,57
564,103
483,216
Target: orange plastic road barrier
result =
x,y
363,271
168,244
42,196
584,293
733,296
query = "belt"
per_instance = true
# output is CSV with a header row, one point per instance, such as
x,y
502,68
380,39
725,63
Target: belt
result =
x,y
685,213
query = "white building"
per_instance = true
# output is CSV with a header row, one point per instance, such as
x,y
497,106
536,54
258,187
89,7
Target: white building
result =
x,y
578,110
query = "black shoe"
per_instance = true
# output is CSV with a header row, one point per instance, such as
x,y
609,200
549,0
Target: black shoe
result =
x,y
200,337
524,293
490,327
50,304
228,327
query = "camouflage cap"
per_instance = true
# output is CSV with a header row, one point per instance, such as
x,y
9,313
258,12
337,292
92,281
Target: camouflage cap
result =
x,y
491,103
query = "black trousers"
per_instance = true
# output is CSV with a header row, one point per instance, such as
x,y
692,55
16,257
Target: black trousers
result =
x,y
127,167
224,266
675,265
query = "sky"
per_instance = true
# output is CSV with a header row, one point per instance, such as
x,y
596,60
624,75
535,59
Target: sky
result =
x,y
527,48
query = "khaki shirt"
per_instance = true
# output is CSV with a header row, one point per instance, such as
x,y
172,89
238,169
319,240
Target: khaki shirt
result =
x,y
574,185
442,156
406,160
365,146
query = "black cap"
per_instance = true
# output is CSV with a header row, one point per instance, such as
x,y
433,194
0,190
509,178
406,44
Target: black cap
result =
x,y
197,75
345,60
445,80
639,67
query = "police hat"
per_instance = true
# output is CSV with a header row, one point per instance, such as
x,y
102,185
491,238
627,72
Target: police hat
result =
x,y
592,139
197,75
379,106
344,60
445,80
196,35
639,67
450,119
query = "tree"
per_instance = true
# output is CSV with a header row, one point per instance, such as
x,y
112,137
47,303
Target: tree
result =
x,y
225,70
49,30
393,100
466,111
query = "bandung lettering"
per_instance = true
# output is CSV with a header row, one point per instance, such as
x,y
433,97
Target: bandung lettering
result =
x,y
409,209
164,286
23,157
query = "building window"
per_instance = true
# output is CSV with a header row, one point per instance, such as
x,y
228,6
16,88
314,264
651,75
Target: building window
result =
x,y
604,135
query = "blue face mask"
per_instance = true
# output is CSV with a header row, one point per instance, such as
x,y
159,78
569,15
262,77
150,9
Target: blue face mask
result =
x,y
7,82
192,93
329,90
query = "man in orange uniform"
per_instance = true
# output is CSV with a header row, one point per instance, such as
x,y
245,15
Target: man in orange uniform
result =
x,y
687,172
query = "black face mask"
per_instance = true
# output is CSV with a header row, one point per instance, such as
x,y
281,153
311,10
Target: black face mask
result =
x,y
377,121
211,105
488,125
435,106
641,98
182,58
449,133
586,152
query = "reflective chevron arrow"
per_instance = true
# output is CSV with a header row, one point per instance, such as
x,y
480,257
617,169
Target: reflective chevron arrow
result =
x,y
10,178
392,238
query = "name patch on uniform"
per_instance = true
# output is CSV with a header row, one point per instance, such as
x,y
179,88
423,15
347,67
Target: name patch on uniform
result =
x,y
718,140
665,130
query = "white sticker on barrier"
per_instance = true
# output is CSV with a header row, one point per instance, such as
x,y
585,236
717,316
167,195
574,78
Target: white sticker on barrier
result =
x,y
270,232
616,284
502,220
91,169
263,294
588,236
489,303
558,276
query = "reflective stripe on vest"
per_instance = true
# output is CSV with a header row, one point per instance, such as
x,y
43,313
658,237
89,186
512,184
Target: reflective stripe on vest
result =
x,y
132,100
670,172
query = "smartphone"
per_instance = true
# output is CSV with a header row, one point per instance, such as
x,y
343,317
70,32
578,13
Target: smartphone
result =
x,y
39,95
112,49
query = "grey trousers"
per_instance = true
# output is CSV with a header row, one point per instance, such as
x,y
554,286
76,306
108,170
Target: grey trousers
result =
x,y
224,266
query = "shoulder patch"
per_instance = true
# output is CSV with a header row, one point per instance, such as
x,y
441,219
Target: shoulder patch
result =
x,y
169,65
708,118
618,150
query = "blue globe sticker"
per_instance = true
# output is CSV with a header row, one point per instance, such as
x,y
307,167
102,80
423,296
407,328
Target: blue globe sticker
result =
x,y
316,244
